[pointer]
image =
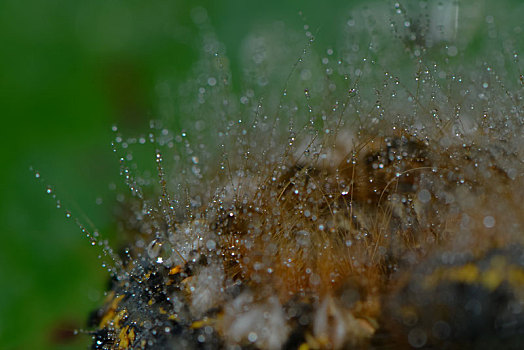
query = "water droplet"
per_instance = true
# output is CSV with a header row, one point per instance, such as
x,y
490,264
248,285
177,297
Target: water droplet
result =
x,y
452,51
252,337
489,221
211,244
154,249
424,196
417,337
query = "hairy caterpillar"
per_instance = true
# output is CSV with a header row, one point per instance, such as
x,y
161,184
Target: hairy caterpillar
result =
x,y
333,213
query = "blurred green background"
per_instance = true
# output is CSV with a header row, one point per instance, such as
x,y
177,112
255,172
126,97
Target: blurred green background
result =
x,y
68,71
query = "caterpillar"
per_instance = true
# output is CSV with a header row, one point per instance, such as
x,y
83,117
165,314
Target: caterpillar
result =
x,y
372,201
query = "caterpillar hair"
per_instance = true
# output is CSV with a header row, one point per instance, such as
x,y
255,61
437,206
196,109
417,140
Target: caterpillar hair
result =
x,y
367,197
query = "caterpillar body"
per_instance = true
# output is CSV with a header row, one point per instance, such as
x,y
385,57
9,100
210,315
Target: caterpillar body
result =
x,y
336,213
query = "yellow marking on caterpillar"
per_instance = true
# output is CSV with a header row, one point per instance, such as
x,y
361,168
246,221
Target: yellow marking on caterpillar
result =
x,y
126,337
109,297
496,274
131,335
311,342
111,311
119,317
468,274
491,278
108,316
201,323
303,346
516,277
175,270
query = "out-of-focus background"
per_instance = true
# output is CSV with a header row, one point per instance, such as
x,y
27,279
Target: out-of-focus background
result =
x,y
69,70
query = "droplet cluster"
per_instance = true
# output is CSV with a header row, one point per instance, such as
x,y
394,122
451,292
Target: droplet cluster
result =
x,y
360,195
